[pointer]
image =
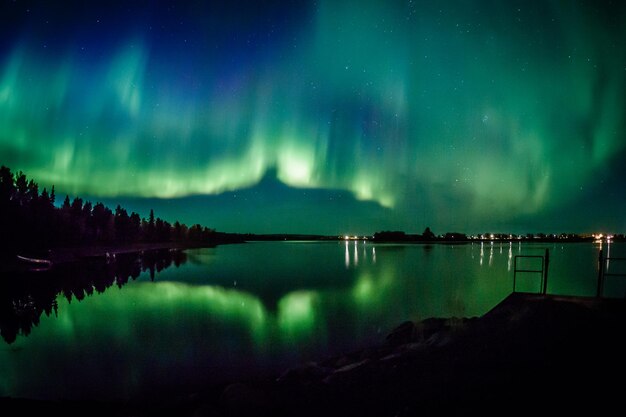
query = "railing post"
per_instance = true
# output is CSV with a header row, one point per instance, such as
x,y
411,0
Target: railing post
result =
x,y
544,290
514,272
600,274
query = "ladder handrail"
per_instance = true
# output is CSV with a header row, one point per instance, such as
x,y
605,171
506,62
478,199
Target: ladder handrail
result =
x,y
602,273
543,271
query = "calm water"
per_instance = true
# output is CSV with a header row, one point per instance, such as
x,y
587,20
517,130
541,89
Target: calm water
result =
x,y
239,311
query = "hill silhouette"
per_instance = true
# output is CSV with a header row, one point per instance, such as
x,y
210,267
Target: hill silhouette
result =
x,y
270,206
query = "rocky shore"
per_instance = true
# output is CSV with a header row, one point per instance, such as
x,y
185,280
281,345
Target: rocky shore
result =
x,y
530,353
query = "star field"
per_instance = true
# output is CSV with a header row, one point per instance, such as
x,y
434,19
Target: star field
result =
x,y
464,116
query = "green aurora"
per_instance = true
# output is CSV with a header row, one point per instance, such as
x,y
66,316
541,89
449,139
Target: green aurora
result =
x,y
464,115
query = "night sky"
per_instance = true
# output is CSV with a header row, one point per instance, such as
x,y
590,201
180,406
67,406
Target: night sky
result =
x,y
324,117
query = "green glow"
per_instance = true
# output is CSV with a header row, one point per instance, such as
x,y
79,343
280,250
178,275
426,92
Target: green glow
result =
x,y
364,289
416,108
163,302
296,314
372,289
154,324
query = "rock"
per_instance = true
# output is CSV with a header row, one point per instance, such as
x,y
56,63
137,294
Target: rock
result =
x,y
239,399
306,373
402,334
349,374
208,410
352,366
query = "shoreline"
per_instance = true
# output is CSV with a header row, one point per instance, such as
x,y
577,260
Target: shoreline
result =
x,y
63,255
563,350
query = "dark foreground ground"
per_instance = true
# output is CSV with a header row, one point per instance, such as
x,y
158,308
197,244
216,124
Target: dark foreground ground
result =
x,y
530,355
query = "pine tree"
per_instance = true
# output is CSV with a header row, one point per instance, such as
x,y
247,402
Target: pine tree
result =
x,y
66,203
52,196
151,226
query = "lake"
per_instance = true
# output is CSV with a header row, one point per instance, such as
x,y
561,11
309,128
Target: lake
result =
x,y
252,310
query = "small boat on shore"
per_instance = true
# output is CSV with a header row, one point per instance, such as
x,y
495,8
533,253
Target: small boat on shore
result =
x,y
40,264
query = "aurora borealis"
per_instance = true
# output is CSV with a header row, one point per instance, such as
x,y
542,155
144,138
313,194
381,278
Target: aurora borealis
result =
x,y
326,116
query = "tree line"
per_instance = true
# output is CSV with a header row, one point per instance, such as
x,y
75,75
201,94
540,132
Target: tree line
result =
x,y
400,236
30,220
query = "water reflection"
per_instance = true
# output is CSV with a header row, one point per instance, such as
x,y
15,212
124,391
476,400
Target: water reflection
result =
x,y
353,248
247,309
482,252
24,297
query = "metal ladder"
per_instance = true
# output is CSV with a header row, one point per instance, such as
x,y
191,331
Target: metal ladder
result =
x,y
602,274
545,261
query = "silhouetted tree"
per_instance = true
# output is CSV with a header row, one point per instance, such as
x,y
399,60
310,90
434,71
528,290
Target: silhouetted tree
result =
x,y
179,232
134,227
428,234
162,230
21,186
150,227
176,231
158,228
77,221
455,236
44,198
7,185
391,236
7,208
195,233
66,203
53,196
87,209
122,224
32,221
44,219
102,220
77,207
32,192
